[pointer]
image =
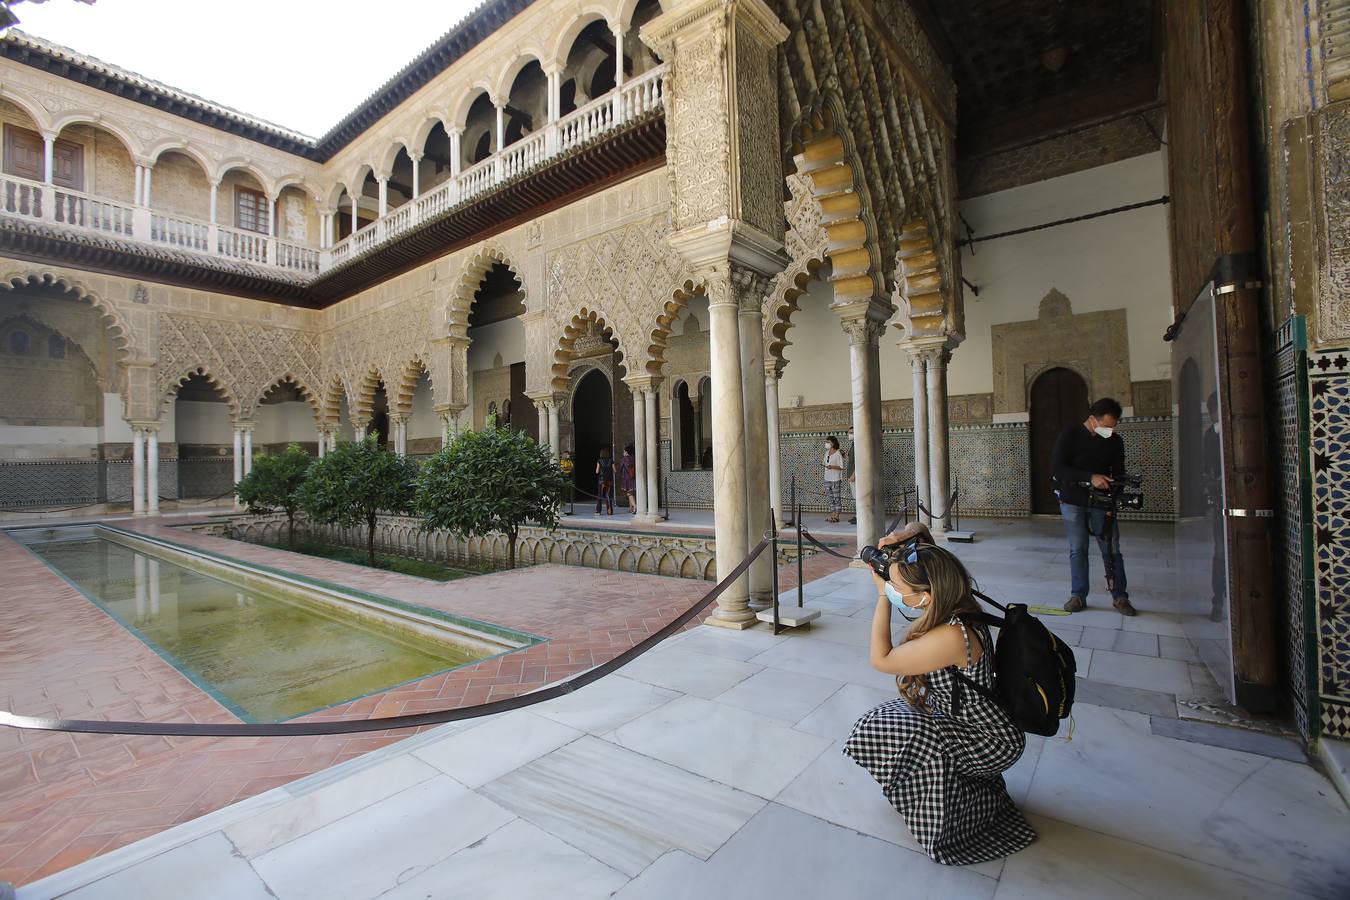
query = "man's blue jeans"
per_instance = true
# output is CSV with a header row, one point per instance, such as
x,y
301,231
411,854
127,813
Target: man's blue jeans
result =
x,y
1078,520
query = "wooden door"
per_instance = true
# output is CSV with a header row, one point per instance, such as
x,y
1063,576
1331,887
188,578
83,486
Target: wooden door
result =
x,y
23,158
1059,398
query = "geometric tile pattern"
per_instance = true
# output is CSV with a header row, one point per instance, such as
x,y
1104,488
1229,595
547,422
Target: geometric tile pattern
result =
x,y
50,482
1290,371
989,463
1329,421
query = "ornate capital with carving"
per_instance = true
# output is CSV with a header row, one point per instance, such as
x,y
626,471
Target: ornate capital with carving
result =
x,y
863,330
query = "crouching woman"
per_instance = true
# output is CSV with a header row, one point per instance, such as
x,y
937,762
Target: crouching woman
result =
x,y
939,751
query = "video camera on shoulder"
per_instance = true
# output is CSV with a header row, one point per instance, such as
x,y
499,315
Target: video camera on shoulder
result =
x,y
1124,494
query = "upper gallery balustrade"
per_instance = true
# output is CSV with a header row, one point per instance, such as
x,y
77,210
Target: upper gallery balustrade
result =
x,y
47,190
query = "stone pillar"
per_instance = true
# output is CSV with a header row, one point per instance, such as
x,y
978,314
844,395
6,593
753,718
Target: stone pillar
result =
x,y
771,376
863,334
756,446
356,210
501,127
248,449
416,159
616,29
939,483
653,451
139,190
359,432
145,185
383,182
640,451
152,470
554,435
919,373
456,154
696,404
238,458
323,442
727,219
332,439
48,156
137,470
541,409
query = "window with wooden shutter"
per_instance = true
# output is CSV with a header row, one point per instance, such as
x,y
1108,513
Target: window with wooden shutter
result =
x,y
250,210
24,152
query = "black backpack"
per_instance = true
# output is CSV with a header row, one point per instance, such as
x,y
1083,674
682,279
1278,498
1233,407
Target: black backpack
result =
x,y
1034,670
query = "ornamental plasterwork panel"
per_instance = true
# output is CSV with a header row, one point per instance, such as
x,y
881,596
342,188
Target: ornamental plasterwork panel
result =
x,y
243,359
1333,152
696,143
805,243
629,273
386,341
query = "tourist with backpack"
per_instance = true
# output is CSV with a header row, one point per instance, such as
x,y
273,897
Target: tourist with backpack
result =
x,y
939,751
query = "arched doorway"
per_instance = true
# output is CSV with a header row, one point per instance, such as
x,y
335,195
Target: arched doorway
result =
x,y
1059,398
593,425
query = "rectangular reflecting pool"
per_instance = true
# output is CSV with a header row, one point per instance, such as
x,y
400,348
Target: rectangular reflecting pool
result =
x,y
266,647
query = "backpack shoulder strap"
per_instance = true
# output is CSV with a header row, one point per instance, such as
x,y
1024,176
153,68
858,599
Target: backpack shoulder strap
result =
x,y
988,694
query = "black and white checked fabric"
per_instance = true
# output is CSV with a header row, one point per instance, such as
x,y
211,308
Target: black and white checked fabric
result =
x,y
943,772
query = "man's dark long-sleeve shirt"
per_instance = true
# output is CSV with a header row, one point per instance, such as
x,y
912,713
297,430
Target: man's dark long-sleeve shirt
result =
x,y
1078,455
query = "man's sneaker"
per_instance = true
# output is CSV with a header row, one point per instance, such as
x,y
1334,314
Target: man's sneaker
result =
x,y
1122,605
1075,604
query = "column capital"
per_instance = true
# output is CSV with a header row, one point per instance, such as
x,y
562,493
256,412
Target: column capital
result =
x,y
243,427
646,384
145,427
863,330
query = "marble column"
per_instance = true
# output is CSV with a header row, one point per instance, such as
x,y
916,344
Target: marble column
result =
x,y
397,425
238,458
248,449
323,442
751,321
640,450
554,435
863,335
939,482
152,470
332,439
653,449
541,409
919,374
771,376
359,433
731,525
137,470
696,403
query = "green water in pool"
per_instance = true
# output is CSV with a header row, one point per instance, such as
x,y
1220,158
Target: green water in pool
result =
x,y
270,656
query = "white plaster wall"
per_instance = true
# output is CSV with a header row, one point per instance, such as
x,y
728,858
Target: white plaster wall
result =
x,y
281,423
202,423
1120,261
1115,262
506,338
115,428
423,422
48,441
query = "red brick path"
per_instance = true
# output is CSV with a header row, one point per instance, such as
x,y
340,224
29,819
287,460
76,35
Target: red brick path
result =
x,y
65,798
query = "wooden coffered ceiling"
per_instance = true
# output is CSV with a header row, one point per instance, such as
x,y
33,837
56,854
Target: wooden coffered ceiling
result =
x,y
1029,69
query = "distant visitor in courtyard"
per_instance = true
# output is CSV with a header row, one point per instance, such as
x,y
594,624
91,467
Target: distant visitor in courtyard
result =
x,y
834,474
940,763
604,481
1091,456
569,470
628,477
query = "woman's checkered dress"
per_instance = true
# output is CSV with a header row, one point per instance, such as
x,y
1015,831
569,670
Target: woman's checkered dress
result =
x,y
943,772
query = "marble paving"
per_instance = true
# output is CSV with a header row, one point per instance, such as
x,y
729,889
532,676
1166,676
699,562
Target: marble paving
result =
x,y
712,767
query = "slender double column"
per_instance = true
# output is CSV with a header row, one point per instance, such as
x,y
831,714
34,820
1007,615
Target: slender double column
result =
x,y
238,459
919,375
771,376
938,472
646,446
640,451
751,322
864,332
137,470
152,469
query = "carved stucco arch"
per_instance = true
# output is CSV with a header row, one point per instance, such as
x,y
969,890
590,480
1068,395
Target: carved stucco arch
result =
x,y
920,289
400,392
471,275
563,357
305,391
30,107
99,119
823,150
806,242
170,383
659,335
330,403
127,348
266,182
361,406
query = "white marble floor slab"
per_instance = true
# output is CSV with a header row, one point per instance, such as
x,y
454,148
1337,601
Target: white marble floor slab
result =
x,y
741,749
1266,818
514,862
729,644
621,807
206,869
690,672
834,718
789,696
313,810
1072,863
783,853
1149,673
604,705
852,632
370,852
826,659
477,756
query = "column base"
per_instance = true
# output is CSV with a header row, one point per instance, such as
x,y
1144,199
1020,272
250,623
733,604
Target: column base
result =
x,y
741,625
649,519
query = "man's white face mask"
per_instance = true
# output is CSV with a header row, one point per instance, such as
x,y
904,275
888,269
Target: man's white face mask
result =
x,y
1103,431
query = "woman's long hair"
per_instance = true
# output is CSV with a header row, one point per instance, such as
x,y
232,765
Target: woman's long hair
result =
x,y
949,585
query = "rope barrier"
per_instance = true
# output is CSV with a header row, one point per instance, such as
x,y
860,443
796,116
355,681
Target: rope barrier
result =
x,y
52,509
437,717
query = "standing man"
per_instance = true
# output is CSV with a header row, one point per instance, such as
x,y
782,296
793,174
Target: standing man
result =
x,y
1091,453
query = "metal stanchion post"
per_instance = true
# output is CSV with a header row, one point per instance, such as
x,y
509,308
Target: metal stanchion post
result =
x,y
773,548
799,555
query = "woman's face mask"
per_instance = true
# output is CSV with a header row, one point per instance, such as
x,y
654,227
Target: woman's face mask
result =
x,y
901,603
